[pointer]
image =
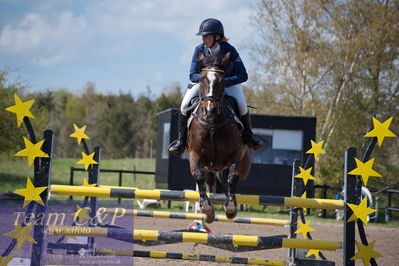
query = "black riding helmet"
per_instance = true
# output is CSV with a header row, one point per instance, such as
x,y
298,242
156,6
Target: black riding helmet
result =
x,y
211,26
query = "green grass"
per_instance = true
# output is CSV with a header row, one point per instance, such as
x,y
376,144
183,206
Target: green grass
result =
x,y
13,173
61,172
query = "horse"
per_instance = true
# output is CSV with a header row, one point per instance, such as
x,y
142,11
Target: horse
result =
x,y
215,146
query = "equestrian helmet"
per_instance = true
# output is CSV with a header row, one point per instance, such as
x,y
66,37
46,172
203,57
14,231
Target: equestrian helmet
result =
x,y
211,26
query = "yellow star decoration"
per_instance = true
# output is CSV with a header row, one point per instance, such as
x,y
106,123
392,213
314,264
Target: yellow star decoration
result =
x,y
31,193
304,197
381,130
5,260
79,133
366,252
360,211
316,148
365,170
81,213
87,160
305,174
21,109
314,252
86,183
21,234
304,228
32,151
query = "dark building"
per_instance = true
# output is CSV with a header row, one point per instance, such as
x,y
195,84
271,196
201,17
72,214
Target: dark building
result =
x,y
286,138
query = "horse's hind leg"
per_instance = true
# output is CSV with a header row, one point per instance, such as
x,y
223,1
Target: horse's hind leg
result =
x,y
230,205
205,204
210,181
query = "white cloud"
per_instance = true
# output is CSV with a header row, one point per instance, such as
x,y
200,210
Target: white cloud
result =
x,y
48,31
51,40
24,38
92,37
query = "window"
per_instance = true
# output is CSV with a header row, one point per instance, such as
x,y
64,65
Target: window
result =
x,y
281,146
165,140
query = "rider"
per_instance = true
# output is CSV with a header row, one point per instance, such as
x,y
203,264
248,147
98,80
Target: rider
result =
x,y
215,43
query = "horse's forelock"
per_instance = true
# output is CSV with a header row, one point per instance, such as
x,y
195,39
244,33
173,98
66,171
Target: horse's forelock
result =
x,y
210,61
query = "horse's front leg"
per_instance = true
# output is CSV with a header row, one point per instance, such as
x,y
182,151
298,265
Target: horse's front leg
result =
x,y
205,204
230,205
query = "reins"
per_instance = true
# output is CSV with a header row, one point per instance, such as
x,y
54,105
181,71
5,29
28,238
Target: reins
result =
x,y
212,127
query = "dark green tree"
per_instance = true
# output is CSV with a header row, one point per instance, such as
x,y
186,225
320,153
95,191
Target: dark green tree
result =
x,y
10,134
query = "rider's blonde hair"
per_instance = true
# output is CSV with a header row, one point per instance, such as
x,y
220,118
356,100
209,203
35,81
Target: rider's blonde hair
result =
x,y
221,39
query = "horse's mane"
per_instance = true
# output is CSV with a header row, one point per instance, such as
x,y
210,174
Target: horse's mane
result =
x,y
210,61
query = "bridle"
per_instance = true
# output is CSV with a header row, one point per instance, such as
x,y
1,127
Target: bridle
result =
x,y
212,127
211,69
211,98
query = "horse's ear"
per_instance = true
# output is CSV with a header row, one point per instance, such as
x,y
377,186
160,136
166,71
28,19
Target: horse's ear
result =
x,y
201,56
226,60
200,61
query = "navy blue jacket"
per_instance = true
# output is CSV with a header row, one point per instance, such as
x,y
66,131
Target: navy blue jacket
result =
x,y
236,72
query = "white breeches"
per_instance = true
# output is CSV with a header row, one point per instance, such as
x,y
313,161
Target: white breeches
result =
x,y
234,91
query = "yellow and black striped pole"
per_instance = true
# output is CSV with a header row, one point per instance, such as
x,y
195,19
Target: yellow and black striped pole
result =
x,y
194,196
265,242
183,256
195,216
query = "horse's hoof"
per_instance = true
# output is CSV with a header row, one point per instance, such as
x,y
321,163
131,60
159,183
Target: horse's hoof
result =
x,y
231,210
209,218
207,209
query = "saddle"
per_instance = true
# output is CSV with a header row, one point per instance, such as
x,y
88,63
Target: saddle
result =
x,y
230,101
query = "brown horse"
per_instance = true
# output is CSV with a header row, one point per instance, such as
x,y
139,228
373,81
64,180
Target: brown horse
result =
x,y
214,143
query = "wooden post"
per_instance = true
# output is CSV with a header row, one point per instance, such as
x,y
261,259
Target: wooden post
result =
x,y
42,180
349,197
297,188
93,179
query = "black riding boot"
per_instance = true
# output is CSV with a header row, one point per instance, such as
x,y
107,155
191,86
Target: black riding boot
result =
x,y
177,147
247,133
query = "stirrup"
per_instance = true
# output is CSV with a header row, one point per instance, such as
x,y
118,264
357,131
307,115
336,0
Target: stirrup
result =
x,y
176,147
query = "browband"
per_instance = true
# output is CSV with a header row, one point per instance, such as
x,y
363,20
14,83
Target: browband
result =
x,y
215,70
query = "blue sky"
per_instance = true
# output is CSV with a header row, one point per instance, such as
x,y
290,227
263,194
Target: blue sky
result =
x,y
121,46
